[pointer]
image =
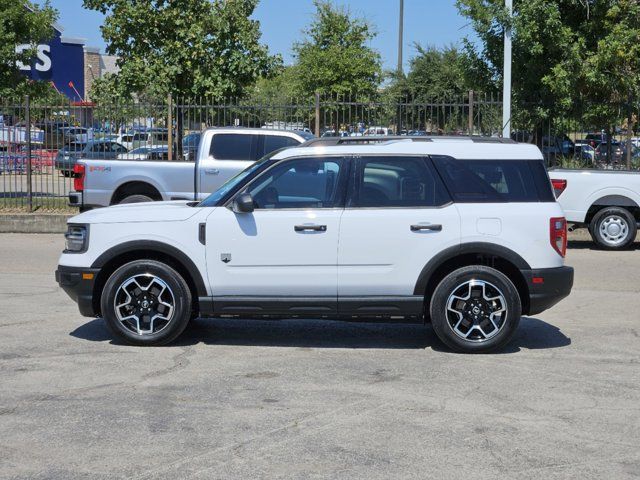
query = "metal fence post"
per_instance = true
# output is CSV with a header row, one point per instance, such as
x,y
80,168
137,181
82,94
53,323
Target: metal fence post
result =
x,y
170,129
28,139
470,112
317,102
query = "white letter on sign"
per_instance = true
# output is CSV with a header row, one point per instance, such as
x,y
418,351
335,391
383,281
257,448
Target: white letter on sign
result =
x,y
43,56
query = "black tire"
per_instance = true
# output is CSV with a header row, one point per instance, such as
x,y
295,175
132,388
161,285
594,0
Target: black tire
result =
x,y
444,321
161,332
617,217
137,198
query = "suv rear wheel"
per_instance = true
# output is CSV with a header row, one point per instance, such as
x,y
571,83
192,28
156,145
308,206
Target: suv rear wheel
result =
x,y
146,302
475,309
613,228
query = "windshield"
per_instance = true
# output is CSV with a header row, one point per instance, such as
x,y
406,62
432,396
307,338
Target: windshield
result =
x,y
220,195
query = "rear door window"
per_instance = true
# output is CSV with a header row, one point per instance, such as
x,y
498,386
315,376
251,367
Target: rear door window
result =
x,y
276,142
496,181
234,146
397,182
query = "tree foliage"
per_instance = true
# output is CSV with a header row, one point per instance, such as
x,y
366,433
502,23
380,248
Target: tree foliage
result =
x,y
184,47
440,74
23,23
570,57
334,57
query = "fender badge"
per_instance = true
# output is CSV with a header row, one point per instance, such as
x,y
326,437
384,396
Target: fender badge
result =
x,y
225,257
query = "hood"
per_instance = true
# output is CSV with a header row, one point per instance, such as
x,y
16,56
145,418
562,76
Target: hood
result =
x,y
174,211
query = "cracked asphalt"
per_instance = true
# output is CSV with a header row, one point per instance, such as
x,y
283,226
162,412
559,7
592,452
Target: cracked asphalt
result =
x,y
310,399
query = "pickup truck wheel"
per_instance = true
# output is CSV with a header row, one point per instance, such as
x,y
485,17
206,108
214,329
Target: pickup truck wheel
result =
x,y
146,302
613,228
475,309
136,199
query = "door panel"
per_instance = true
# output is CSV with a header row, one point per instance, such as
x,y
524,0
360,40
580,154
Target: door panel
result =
x,y
288,246
267,256
399,217
380,254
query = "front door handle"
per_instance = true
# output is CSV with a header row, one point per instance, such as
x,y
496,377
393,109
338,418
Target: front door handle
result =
x,y
211,171
435,227
314,228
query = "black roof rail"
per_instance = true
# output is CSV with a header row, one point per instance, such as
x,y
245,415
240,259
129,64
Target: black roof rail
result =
x,y
373,139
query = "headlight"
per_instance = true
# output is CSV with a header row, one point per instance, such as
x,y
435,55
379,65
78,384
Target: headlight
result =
x,y
76,238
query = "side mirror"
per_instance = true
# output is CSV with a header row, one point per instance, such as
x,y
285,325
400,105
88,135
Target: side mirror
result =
x,y
243,203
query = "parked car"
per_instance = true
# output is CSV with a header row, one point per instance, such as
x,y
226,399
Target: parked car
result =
x,y
447,231
223,153
605,202
77,134
584,152
144,138
603,149
190,145
377,131
143,153
99,149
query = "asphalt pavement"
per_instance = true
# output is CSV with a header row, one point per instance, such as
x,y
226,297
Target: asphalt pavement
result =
x,y
311,399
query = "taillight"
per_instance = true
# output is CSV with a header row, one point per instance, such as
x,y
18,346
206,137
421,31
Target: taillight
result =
x,y
78,177
558,235
558,186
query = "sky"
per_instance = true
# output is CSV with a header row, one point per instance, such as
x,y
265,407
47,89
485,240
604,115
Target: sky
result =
x,y
428,22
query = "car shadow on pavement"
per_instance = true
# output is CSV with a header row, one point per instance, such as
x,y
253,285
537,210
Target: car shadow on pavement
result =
x,y
532,334
589,245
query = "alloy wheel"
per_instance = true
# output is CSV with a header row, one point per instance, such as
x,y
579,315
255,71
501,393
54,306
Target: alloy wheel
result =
x,y
144,304
476,310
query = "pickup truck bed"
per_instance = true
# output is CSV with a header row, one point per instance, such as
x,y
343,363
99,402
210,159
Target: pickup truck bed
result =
x,y
605,202
222,153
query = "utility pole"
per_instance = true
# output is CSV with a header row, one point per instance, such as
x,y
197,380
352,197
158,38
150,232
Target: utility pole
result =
x,y
506,76
400,35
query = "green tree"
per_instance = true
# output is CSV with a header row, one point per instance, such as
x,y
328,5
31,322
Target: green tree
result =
x,y
334,57
184,47
440,74
571,58
23,23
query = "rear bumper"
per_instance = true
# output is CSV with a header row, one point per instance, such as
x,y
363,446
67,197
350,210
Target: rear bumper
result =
x,y
75,199
547,286
78,283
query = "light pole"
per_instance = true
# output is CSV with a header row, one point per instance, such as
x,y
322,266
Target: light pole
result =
x,y
506,76
400,35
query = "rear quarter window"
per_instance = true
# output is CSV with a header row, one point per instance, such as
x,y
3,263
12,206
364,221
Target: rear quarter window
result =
x,y
495,181
276,142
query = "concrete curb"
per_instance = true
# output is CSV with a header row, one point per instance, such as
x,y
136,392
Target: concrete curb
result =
x,y
33,223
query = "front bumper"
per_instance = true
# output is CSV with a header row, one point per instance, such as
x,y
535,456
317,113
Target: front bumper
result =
x,y
78,283
547,286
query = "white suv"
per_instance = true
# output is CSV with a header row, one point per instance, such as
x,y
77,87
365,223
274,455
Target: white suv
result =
x,y
462,232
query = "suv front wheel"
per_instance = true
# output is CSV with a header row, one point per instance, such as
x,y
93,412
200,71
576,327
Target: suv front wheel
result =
x,y
475,309
146,302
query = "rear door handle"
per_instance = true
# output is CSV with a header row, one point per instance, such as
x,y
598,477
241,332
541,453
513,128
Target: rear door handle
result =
x,y
314,228
435,227
211,171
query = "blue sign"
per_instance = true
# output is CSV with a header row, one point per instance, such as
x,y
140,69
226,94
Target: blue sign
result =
x,y
61,62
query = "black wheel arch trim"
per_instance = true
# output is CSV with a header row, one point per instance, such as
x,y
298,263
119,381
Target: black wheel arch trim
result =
x,y
159,247
480,248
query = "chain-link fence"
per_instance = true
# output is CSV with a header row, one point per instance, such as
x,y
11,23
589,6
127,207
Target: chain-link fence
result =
x,y
40,144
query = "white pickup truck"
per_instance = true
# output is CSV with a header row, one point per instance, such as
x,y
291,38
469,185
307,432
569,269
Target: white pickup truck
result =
x,y
606,202
222,153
